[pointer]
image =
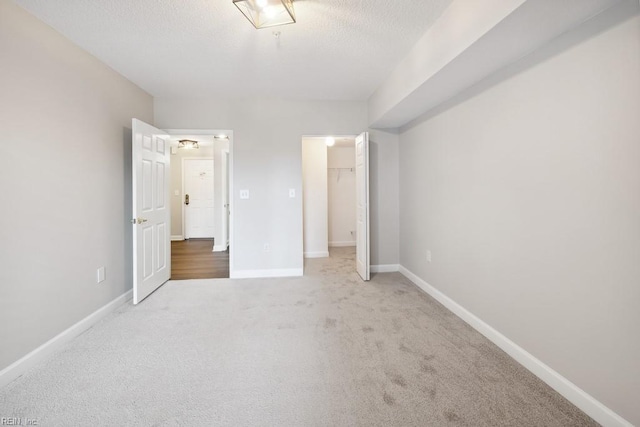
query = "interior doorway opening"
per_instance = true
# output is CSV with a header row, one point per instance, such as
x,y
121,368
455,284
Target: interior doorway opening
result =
x,y
329,194
200,208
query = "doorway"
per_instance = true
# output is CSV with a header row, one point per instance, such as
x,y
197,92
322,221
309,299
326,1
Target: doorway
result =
x,y
335,213
200,214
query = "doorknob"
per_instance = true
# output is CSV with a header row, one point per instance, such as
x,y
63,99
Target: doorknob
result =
x,y
186,199
138,220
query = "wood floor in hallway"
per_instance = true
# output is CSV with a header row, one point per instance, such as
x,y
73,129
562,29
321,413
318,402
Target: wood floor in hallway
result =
x,y
194,259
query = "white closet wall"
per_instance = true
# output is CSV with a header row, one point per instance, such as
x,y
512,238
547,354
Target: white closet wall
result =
x,y
342,196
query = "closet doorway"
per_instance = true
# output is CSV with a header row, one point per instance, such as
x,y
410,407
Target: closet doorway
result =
x,y
329,195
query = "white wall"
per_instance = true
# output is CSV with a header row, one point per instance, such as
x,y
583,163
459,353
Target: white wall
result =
x,y
315,199
341,163
65,162
267,161
528,195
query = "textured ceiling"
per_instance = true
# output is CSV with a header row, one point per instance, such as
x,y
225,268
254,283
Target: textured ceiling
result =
x,y
339,49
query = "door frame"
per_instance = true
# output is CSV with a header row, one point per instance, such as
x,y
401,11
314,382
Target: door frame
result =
x,y
184,218
224,166
213,132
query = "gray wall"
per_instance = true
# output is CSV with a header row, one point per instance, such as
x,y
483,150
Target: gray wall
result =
x,y
65,164
384,201
527,192
315,199
267,161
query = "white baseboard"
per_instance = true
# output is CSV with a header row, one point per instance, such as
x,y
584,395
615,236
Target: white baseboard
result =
x,y
176,238
566,388
258,274
385,268
316,254
19,367
342,244
219,248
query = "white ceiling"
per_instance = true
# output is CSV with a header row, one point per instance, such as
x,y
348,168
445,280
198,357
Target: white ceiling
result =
x,y
462,49
340,141
338,49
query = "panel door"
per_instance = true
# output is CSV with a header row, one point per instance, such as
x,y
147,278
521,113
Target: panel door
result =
x,y
151,211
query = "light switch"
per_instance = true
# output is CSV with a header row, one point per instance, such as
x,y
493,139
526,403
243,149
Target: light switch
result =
x,y
292,193
176,192
244,194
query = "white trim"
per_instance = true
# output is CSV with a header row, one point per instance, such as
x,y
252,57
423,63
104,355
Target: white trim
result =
x,y
176,238
342,244
566,388
320,254
219,248
259,274
385,268
21,366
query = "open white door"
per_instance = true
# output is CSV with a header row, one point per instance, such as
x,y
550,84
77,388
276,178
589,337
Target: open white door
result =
x,y
151,212
362,199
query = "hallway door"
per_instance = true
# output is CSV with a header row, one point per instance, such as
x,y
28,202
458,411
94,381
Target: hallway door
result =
x,y
151,212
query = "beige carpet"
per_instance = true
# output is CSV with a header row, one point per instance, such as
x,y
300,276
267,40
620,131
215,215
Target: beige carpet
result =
x,y
323,350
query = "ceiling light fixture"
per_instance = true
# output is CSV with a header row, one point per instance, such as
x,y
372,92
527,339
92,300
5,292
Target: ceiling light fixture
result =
x,y
330,141
188,144
267,13
221,136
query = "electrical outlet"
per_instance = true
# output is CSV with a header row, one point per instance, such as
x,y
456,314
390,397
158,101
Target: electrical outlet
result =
x,y
267,248
100,275
429,256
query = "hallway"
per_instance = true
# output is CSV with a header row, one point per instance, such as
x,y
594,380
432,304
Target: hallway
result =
x,y
194,259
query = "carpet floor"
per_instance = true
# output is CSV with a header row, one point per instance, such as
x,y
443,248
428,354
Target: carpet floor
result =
x,y
323,350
